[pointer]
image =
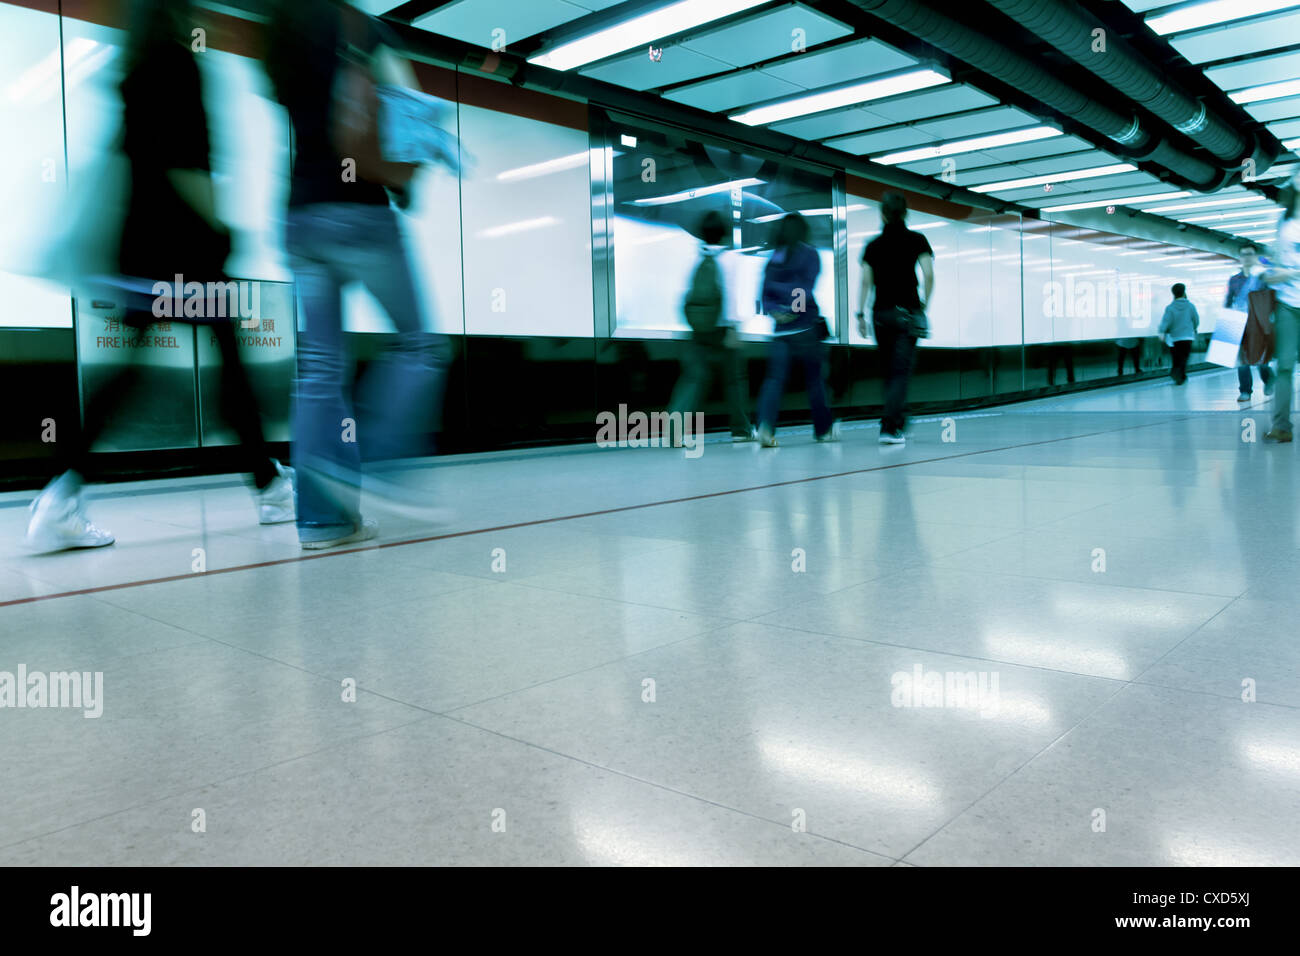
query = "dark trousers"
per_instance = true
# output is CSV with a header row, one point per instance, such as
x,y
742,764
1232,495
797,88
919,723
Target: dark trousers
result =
x,y
1180,350
1244,377
805,348
237,403
1060,354
703,355
1134,354
897,354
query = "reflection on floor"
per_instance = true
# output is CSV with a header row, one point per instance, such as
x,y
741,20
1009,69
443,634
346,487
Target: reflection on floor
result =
x,y
1065,636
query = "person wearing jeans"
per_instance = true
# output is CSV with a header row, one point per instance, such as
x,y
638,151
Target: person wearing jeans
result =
x,y
331,245
798,331
889,264
340,229
1283,277
1240,286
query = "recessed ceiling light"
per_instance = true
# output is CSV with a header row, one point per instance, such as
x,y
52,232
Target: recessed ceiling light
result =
x,y
1268,91
1206,204
1211,12
967,145
639,31
844,96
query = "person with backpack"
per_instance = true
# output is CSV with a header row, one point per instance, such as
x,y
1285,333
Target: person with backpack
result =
x,y
170,228
714,343
889,264
799,331
325,60
1178,327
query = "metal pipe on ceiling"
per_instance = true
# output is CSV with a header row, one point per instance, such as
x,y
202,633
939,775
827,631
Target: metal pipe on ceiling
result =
x,y
1001,62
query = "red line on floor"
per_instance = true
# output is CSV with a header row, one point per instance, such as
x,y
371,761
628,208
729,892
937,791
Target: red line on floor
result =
x,y
586,514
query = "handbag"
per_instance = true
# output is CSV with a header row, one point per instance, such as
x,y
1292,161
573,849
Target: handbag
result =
x,y
1257,342
354,110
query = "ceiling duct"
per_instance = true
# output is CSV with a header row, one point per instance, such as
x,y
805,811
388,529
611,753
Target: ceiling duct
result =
x,y
1070,29
1002,63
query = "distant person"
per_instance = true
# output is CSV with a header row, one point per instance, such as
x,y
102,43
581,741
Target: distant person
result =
x,y
341,229
889,264
714,342
170,228
1283,277
798,331
1178,326
1240,286
1130,349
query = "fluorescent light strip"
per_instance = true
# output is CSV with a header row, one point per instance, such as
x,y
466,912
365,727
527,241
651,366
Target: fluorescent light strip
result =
x,y
545,169
844,96
1223,216
1292,144
689,194
1211,13
1206,204
1054,178
639,31
1122,201
968,145
1267,91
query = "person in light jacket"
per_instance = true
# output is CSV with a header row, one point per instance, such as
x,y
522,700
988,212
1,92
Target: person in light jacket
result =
x,y
1178,327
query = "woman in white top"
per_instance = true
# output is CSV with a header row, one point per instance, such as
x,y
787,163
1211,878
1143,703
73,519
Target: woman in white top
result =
x,y
1283,277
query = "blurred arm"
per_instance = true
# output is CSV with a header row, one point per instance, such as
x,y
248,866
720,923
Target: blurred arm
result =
x,y
927,278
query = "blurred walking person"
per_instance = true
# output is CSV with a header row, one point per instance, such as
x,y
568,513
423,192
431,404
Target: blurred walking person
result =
x,y
714,342
170,229
1178,326
1240,286
898,313
1283,277
798,333
325,60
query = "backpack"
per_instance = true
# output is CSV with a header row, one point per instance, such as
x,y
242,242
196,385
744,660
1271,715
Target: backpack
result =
x,y
703,305
354,109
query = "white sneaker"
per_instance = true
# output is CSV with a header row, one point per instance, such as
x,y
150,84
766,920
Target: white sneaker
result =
x,y
364,532
892,438
766,438
832,435
1243,397
275,501
752,436
59,523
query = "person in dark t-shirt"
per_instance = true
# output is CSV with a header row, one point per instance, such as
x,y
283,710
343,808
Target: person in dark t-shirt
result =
x,y
341,229
889,265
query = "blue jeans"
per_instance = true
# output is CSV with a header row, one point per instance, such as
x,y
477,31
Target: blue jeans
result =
x,y
330,245
807,349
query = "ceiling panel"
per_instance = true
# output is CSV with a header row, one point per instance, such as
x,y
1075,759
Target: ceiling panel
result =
x,y
917,106
832,123
978,123
474,20
1222,43
1286,129
900,137
735,89
1005,155
1256,72
1070,161
767,35
1080,189
846,62
1274,109
1051,199
637,71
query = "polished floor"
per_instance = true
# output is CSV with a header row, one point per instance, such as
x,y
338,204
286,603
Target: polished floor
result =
x,y
626,656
